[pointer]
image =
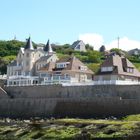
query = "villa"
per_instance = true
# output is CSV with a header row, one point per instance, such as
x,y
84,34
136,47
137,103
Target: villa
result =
x,y
42,66
117,69
67,70
23,70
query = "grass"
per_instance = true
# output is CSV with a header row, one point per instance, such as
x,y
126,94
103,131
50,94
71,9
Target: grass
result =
x,y
137,65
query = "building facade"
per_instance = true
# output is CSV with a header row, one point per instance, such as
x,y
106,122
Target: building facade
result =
x,y
117,69
23,70
67,70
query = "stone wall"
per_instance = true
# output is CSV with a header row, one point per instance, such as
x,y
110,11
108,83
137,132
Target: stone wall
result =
x,y
57,91
76,101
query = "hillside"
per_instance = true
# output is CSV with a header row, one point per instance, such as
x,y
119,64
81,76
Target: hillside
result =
x,y
92,58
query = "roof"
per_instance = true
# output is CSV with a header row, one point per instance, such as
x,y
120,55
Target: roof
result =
x,y
13,63
29,44
48,67
132,52
76,43
48,47
22,50
44,58
73,65
120,65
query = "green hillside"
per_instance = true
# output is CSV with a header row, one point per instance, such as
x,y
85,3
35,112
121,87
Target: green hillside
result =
x,y
92,58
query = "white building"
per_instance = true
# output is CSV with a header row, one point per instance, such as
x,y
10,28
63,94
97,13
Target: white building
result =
x,y
78,45
117,70
23,70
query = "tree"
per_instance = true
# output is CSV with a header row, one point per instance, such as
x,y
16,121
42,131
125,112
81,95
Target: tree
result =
x,y
88,47
102,48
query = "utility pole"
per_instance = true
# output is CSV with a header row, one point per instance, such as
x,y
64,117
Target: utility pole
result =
x,y
118,42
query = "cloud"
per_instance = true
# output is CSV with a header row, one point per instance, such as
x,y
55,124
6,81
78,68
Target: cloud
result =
x,y
93,39
97,41
124,44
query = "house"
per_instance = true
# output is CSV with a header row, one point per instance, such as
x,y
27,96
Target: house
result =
x,y
23,70
117,69
66,70
50,56
78,46
134,52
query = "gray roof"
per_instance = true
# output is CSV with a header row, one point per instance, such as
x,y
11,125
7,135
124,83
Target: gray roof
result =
x,y
29,44
44,58
48,47
132,52
76,43
13,63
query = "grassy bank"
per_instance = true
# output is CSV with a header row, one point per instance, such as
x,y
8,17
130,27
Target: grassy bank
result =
x,y
70,129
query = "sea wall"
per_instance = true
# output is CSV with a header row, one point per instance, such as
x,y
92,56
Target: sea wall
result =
x,y
85,108
58,91
74,101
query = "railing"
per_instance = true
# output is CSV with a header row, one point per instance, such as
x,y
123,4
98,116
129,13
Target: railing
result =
x,y
116,82
22,76
17,67
3,77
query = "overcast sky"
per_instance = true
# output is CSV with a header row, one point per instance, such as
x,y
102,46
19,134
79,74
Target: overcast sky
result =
x,y
96,22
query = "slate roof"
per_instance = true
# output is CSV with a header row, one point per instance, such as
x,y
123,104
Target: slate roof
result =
x,y
76,43
44,58
132,52
13,63
29,44
48,47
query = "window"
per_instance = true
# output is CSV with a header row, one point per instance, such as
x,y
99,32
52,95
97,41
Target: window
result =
x,y
130,70
19,55
27,55
106,69
61,65
84,68
27,63
78,47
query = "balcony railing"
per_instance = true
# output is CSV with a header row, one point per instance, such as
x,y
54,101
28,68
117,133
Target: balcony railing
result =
x,y
116,82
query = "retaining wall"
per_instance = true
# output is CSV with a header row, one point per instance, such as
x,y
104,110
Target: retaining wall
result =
x,y
75,101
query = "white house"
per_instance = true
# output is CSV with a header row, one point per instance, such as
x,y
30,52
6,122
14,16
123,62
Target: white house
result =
x,y
79,45
117,70
23,70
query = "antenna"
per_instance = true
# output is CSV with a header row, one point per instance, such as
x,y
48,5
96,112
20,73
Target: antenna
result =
x,y
118,42
15,37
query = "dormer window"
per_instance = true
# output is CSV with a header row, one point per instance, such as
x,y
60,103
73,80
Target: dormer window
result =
x,y
83,68
106,69
130,70
62,65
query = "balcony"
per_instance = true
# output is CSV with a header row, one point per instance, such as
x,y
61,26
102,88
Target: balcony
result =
x,y
17,68
116,82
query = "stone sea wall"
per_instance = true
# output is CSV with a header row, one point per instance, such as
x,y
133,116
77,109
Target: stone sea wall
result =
x,y
74,101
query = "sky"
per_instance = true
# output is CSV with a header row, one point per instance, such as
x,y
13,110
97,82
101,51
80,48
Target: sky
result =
x,y
96,22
